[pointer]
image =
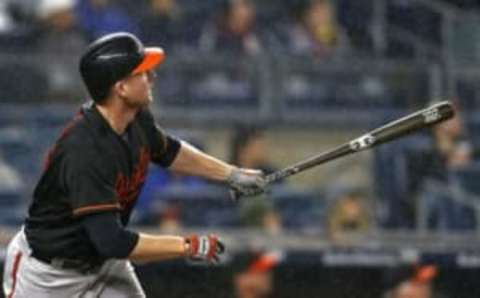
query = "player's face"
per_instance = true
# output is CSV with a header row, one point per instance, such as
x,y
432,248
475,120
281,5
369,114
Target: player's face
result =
x,y
137,89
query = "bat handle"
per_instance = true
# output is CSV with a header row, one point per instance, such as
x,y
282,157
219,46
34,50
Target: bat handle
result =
x,y
281,174
273,177
235,195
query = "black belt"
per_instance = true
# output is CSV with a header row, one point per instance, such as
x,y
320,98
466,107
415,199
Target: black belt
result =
x,y
82,266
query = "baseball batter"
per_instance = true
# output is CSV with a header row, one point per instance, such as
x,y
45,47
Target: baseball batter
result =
x,y
74,242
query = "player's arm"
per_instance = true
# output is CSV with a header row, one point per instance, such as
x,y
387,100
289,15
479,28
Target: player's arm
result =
x,y
111,240
181,157
155,248
191,161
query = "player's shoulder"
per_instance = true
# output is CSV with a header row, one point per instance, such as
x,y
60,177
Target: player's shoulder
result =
x,y
79,133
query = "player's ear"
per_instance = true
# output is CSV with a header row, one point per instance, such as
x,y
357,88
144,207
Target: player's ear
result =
x,y
120,88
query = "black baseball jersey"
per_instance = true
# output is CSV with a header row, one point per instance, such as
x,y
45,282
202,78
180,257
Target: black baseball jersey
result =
x,y
92,169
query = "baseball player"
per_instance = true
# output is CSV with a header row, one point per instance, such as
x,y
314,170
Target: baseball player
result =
x,y
74,242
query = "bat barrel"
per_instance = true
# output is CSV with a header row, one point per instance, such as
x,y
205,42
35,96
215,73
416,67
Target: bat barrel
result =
x,y
421,119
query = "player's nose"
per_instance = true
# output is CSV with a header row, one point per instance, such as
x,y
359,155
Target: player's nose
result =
x,y
151,75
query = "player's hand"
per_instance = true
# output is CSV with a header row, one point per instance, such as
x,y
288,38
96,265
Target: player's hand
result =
x,y
246,182
204,248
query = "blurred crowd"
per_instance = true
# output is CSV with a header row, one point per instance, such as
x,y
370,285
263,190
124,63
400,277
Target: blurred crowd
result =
x,y
62,26
321,28
341,32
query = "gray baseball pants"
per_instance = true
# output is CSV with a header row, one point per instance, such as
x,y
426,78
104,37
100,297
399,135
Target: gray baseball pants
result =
x,y
25,276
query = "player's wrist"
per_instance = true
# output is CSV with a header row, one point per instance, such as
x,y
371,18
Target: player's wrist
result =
x,y
186,247
228,173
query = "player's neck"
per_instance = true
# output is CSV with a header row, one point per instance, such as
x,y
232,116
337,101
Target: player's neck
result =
x,y
118,116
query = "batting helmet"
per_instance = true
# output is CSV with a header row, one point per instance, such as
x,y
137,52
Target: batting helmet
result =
x,y
114,57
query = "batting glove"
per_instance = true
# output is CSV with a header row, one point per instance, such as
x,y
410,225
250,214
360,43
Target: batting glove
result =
x,y
204,248
246,182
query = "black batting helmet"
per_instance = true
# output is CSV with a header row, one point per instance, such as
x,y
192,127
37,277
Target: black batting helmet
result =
x,y
114,57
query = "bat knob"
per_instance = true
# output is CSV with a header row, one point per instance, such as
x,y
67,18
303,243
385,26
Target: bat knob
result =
x,y
235,195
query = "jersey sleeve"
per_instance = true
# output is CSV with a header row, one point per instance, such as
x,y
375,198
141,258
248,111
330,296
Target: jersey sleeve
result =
x,y
163,147
90,186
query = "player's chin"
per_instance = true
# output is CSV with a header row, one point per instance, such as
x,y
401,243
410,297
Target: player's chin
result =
x,y
139,104
146,100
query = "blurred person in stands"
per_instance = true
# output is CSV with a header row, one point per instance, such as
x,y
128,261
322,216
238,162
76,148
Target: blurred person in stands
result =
x,y
253,276
18,24
99,17
233,30
434,179
259,213
316,31
56,15
414,282
60,38
160,23
7,23
349,217
250,147
10,178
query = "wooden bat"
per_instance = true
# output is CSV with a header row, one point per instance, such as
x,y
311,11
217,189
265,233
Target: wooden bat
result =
x,y
393,130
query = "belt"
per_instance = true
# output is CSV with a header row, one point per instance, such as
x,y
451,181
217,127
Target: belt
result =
x,y
82,266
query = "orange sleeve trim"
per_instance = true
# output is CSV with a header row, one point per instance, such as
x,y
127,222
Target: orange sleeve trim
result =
x,y
96,208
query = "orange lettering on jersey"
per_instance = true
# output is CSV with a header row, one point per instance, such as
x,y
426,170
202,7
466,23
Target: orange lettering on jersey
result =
x,y
128,188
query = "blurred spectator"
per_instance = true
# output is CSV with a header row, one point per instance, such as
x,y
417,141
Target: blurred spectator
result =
x,y
10,179
260,213
161,23
57,15
421,179
253,276
433,177
60,34
233,31
7,23
349,217
316,31
60,37
415,282
250,149
100,17
18,26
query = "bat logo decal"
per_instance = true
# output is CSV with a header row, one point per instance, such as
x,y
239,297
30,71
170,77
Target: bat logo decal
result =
x,y
362,142
431,115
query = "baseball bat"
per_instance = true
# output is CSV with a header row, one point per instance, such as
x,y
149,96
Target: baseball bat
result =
x,y
393,130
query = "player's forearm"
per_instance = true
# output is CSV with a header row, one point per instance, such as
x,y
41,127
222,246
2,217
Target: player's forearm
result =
x,y
191,161
158,248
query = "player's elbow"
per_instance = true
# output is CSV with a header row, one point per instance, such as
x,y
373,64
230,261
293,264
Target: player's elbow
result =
x,y
108,237
118,245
